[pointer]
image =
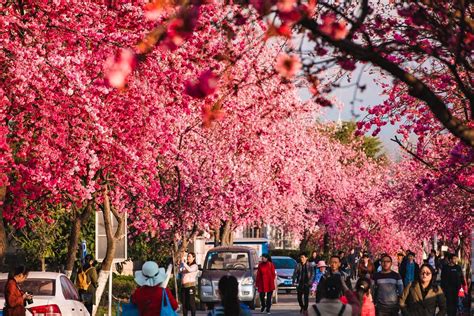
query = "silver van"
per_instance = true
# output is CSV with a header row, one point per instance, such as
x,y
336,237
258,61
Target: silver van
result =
x,y
239,261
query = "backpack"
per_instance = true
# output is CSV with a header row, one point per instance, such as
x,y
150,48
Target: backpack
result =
x,y
341,311
82,280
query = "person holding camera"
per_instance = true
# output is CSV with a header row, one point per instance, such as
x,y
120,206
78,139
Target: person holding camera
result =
x,y
15,298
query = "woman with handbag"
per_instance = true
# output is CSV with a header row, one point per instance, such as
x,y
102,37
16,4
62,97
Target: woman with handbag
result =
x,y
15,299
150,298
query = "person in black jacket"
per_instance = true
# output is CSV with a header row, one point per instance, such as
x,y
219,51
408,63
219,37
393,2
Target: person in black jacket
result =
x,y
334,271
451,282
303,277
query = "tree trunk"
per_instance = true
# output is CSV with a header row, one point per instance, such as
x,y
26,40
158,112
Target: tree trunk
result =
x,y
304,241
326,246
112,238
43,263
77,220
225,233
3,235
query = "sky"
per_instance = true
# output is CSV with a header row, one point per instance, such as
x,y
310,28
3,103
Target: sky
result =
x,y
371,96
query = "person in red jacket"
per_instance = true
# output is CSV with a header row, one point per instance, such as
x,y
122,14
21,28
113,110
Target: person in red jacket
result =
x,y
14,297
265,282
148,296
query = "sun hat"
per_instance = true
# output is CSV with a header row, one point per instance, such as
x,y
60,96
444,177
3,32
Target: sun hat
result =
x,y
150,275
321,264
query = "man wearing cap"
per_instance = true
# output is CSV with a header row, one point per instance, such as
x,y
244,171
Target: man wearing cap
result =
x,y
149,295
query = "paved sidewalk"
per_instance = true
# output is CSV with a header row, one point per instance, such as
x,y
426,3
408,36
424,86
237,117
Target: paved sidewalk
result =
x,y
287,305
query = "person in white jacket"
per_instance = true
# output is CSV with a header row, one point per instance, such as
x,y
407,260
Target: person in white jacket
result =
x,y
189,271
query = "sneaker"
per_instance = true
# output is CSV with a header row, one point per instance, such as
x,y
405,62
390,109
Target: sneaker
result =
x,y
268,313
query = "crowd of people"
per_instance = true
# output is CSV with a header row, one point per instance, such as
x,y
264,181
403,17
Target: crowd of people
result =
x,y
382,288
436,287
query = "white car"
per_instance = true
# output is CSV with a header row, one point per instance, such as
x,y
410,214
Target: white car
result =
x,y
53,295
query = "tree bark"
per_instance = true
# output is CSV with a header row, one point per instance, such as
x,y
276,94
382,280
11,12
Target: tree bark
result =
x,y
304,241
77,220
112,238
3,234
326,246
226,235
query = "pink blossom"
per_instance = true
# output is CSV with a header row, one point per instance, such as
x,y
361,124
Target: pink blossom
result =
x,y
119,66
288,65
334,29
286,5
203,86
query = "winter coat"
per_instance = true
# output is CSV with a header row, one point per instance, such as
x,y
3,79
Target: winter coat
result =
x,y
265,281
451,278
148,300
14,301
412,302
297,275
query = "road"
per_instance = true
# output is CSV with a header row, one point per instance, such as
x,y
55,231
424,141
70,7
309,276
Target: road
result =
x,y
287,305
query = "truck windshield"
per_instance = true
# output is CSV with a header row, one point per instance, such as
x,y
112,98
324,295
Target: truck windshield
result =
x,y
226,260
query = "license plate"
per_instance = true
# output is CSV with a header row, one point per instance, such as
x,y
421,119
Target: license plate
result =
x,y
287,282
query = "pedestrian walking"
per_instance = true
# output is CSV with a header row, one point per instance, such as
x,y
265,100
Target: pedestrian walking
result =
x,y
320,271
433,261
87,282
331,304
409,269
388,288
422,297
228,288
189,270
150,297
451,282
265,282
303,277
378,263
15,298
400,259
353,262
366,268
334,265
364,297
344,262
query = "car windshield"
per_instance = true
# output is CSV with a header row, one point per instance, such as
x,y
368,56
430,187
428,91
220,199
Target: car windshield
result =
x,y
227,260
284,263
37,287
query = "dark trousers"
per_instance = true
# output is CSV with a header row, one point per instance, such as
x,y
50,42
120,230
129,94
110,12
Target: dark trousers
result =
x,y
384,310
451,301
189,301
266,304
303,297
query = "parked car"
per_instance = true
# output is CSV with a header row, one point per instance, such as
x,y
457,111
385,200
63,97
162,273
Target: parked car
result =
x,y
53,295
284,266
241,262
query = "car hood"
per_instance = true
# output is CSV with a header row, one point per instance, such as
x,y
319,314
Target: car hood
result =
x,y
284,272
215,275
